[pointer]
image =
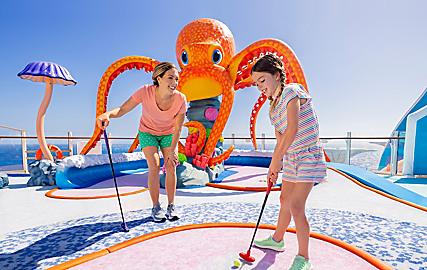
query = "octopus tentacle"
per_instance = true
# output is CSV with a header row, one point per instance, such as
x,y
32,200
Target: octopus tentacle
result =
x,y
114,70
218,159
254,114
240,67
134,145
202,133
242,63
218,127
181,148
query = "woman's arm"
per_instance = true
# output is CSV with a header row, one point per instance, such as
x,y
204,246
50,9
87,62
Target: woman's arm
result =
x,y
179,121
126,107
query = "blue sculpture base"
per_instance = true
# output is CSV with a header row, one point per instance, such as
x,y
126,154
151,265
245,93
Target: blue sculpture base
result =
x,y
42,173
4,180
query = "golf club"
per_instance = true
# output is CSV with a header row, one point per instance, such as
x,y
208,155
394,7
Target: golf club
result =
x,y
124,226
247,255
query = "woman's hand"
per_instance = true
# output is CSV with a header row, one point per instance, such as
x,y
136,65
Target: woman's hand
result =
x,y
103,120
172,159
273,170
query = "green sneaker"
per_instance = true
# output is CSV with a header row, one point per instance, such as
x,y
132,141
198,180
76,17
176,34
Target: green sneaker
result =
x,y
270,244
300,263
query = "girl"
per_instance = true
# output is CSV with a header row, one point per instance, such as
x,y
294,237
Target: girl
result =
x,y
160,127
297,133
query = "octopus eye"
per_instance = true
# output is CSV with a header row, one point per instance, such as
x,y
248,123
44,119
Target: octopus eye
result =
x,y
184,57
216,56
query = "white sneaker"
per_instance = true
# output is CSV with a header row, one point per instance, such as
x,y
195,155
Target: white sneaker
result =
x,y
171,213
157,213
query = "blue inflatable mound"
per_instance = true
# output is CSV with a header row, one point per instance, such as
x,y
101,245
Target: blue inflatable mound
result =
x,y
80,178
256,161
84,171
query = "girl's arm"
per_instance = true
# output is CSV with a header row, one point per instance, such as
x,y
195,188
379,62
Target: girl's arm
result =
x,y
284,140
126,107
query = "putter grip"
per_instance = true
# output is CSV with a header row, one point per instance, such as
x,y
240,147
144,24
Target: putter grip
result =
x,y
269,186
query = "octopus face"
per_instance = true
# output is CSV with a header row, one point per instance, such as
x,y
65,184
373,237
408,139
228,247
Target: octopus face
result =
x,y
204,50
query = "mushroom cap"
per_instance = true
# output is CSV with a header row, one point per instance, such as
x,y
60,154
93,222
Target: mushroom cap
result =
x,y
47,72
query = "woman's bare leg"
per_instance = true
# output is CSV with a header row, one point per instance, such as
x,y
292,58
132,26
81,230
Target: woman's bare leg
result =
x,y
153,160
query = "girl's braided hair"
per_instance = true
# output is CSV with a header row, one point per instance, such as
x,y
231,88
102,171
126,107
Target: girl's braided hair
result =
x,y
271,64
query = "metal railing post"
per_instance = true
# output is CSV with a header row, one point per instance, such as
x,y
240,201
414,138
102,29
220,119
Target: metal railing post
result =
x,y
70,142
348,144
393,156
233,141
24,151
263,142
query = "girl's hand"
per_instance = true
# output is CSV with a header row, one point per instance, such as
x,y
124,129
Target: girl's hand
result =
x,y
103,120
273,170
272,177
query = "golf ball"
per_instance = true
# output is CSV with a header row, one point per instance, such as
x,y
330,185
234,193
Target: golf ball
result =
x,y
236,263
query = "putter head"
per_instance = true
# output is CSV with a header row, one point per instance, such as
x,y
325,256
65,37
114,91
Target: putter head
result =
x,y
247,256
125,227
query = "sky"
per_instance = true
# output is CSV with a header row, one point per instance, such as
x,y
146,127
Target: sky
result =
x,y
365,61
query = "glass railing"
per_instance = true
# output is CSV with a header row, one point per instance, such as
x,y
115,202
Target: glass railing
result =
x,y
372,153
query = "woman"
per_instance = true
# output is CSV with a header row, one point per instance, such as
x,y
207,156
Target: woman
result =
x,y
163,113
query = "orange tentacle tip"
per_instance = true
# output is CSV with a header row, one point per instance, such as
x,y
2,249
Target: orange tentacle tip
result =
x,y
53,148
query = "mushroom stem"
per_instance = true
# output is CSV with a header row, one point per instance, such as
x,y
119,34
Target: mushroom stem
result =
x,y
40,122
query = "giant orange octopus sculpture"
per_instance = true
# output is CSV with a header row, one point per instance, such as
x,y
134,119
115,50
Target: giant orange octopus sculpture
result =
x,y
205,52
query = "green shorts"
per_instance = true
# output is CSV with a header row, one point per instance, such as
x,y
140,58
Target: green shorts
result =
x,y
147,139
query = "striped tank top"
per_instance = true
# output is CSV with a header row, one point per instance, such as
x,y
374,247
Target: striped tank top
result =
x,y
308,125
